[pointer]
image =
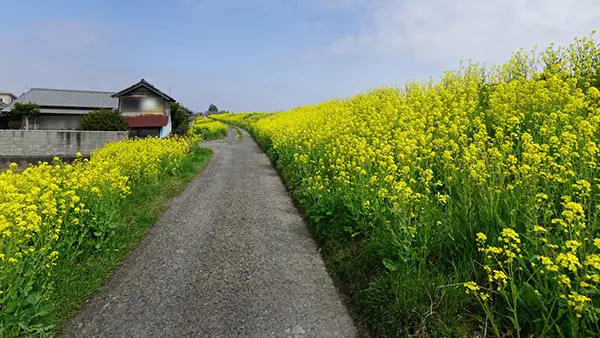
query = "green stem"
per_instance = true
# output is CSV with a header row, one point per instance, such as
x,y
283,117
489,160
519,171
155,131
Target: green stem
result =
x,y
514,298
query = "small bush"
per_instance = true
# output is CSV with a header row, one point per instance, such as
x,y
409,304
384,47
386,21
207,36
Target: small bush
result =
x,y
181,120
105,120
15,123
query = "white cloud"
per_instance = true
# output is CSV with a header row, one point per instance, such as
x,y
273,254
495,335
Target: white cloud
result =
x,y
486,31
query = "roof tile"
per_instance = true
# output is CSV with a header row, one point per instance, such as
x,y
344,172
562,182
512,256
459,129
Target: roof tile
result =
x,y
67,99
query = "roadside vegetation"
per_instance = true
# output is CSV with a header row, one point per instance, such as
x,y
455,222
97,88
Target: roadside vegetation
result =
x,y
181,119
467,206
64,227
208,129
239,133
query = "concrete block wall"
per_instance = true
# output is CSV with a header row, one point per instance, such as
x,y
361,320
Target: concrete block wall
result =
x,y
50,143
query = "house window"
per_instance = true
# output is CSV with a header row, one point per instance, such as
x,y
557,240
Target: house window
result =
x,y
131,104
142,105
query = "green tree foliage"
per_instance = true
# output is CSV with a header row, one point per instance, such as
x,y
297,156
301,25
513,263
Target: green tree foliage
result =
x,y
213,109
25,109
104,119
180,119
21,112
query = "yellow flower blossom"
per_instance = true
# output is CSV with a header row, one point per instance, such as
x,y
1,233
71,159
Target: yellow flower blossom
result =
x,y
471,286
511,151
43,206
569,261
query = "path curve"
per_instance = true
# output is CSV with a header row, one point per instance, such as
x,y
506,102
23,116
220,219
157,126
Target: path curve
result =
x,y
230,257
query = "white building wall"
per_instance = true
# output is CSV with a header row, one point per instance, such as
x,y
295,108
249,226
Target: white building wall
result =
x,y
6,98
166,130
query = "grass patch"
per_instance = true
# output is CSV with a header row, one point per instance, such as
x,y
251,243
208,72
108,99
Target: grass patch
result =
x,y
239,133
76,281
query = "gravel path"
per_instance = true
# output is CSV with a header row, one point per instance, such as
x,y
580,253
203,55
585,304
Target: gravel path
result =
x,y
231,257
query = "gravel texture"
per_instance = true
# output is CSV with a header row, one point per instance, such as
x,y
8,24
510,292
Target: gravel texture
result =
x,y
230,257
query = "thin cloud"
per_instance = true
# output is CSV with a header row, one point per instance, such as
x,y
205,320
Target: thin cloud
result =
x,y
486,31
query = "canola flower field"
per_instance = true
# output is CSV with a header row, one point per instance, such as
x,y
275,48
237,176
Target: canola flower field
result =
x,y
467,206
208,129
66,214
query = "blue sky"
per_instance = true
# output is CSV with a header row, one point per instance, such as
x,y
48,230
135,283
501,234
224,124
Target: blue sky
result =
x,y
268,55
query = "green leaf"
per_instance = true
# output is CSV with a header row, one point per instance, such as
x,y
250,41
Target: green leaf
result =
x,y
389,264
33,298
527,294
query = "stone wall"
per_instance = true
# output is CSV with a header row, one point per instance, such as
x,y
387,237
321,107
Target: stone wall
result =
x,y
36,144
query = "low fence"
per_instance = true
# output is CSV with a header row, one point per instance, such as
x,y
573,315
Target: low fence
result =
x,y
24,146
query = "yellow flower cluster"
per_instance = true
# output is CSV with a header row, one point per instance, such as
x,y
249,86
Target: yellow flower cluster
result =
x,y
56,210
434,169
207,129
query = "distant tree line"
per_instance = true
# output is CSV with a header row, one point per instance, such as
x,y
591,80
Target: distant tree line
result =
x,y
212,109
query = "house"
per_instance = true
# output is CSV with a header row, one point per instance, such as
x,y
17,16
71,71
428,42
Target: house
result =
x,y
6,99
146,108
62,109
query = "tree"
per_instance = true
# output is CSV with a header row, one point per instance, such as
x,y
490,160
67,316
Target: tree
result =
x,y
180,119
23,111
105,120
213,109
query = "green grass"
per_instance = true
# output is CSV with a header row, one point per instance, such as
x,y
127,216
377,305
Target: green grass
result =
x,y
76,281
239,133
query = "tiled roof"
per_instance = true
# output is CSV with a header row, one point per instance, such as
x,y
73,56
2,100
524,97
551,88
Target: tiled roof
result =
x,y
144,83
67,99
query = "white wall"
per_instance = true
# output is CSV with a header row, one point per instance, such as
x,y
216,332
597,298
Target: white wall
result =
x,y
166,130
6,98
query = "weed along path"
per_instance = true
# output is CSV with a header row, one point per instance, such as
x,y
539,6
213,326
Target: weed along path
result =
x,y
230,257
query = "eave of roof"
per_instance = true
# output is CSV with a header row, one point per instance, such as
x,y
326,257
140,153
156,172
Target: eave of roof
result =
x,y
143,83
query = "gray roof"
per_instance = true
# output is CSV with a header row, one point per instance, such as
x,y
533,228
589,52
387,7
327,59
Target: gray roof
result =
x,y
64,98
144,83
8,93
